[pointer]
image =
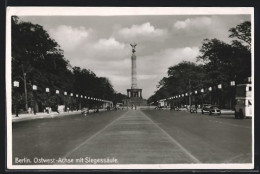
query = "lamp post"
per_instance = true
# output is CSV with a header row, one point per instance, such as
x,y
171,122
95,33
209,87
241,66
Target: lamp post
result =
x,y
16,85
34,99
66,104
88,102
195,98
47,91
25,92
71,105
189,95
57,100
232,84
219,98
85,101
202,95
210,89
179,103
80,102
77,101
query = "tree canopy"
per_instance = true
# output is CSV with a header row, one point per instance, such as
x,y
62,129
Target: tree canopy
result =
x,y
220,63
38,59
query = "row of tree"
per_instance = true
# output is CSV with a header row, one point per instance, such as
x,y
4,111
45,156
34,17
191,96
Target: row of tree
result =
x,y
37,59
219,63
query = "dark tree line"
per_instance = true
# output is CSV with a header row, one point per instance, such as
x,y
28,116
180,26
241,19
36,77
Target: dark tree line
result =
x,y
37,59
220,63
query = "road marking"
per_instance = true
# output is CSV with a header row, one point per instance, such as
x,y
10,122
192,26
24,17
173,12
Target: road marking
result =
x,y
196,160
240,156
94,135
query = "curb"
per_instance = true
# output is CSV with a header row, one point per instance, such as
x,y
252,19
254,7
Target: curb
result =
x,y
51,115
44,115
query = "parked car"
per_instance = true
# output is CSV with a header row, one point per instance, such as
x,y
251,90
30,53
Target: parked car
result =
x,y
205,108
214,110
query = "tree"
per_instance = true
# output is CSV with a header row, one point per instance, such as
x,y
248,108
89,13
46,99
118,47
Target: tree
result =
x,y
181,78
242,32
226,62
219,60
36,59
221,63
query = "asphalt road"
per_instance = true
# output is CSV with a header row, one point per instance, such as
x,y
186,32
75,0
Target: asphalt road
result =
x,y
133,137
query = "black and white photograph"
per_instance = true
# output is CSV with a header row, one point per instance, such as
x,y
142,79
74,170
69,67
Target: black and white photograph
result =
x,y
130,87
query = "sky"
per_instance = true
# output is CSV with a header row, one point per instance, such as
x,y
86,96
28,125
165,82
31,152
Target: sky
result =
x,y
102,43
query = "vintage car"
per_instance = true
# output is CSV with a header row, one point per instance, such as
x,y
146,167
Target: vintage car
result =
x,y
214,110
205,108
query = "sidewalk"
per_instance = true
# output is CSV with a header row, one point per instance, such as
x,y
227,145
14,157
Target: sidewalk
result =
x,y
41,115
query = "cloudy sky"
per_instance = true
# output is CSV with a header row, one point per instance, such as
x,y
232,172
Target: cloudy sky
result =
x,y
101,43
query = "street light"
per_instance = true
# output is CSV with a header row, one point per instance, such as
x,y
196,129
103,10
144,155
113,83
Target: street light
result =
x,y
47,90
57,100
81,96
71,102
35,99
210,89
202,91
16,85
219,96
65,101
34,87
232,92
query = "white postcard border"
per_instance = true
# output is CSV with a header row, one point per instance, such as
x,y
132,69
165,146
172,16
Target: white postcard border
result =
x,y
115,11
